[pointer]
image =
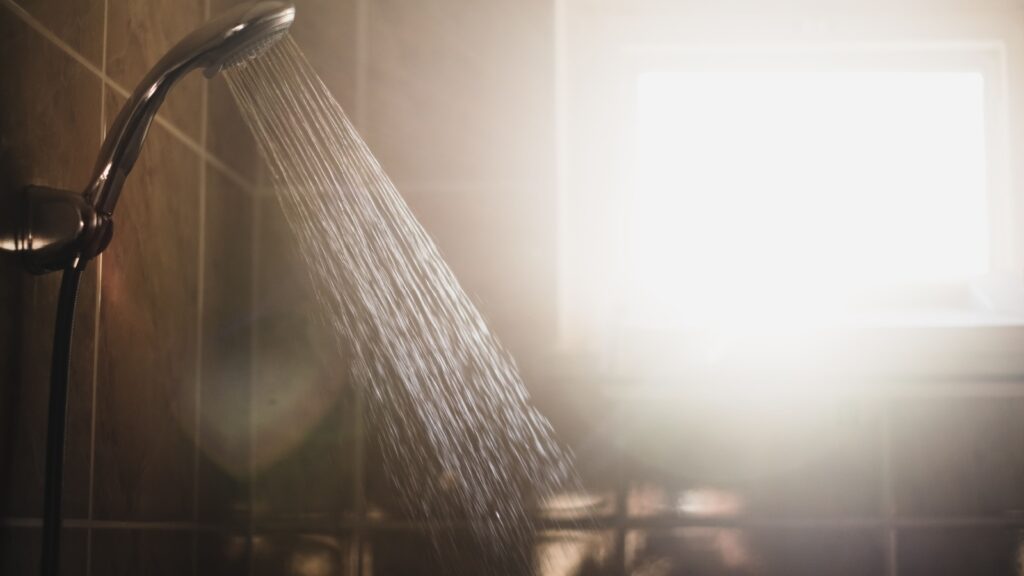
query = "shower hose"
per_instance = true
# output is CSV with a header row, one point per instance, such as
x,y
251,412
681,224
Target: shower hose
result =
x,y
60,374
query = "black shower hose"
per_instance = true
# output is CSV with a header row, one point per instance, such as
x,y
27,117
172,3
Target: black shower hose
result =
x,y
60,375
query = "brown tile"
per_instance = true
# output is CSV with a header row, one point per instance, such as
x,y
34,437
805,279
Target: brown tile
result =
x,y
146,388
11,360
708,454
20,550
228,137
226,355
80,24
48,139
302,423
139,33
220,554
839,472
461,91
958,456
949,552
309,480
408,553
26,435
733,551
219,6
301,554
327,31
150,552
51,105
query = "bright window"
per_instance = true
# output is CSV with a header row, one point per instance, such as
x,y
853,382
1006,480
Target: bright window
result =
x,y
789,195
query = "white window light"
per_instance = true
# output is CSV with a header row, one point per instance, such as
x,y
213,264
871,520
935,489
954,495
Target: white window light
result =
x,y
784,195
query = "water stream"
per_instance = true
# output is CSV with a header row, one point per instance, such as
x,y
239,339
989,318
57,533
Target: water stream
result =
x,y
460,437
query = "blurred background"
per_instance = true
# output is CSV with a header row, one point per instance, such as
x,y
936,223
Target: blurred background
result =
x,y
759,263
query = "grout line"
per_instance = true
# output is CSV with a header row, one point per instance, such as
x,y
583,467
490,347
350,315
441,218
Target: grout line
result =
x,y
82,523
851,523
97,311
255,264
363,23
668,522
204,116
200,315
92,422
621,517
121,91
46,33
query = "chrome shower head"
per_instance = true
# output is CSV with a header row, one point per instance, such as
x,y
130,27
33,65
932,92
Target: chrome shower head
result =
x,y
52,229
242,34
230,39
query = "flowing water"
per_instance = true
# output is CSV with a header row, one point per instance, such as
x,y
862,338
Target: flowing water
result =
x,y
460,437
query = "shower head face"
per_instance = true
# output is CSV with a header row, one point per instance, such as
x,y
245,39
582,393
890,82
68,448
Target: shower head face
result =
x,y
245,54
231,39
245,33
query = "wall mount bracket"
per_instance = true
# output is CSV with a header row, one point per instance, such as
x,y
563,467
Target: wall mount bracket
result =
x,y
49,229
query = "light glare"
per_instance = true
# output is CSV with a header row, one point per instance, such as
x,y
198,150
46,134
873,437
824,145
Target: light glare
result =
x,y
766,196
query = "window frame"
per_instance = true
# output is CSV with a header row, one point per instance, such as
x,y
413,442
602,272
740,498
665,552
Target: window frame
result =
x,y
625,348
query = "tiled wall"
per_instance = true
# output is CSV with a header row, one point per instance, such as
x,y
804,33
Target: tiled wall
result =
x,y
457,100
171,472
157,453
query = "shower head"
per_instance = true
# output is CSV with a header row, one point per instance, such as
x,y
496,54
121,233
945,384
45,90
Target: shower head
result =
x,y
231,39
52,229
240,35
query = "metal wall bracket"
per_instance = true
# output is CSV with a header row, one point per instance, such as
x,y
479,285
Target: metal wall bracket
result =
x,y
49,229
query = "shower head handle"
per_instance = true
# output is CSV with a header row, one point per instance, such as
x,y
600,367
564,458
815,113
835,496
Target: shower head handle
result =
x,y
52,229
229,39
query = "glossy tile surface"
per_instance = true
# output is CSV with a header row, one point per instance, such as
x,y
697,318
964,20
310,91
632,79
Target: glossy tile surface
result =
x,y
43,138
151,552
20,551
31,408
459,91
139,33
958,456
402,553
228,137
147,373
302,425
79,24
226,351
948,552
686,453
329,37
732,551
223,554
